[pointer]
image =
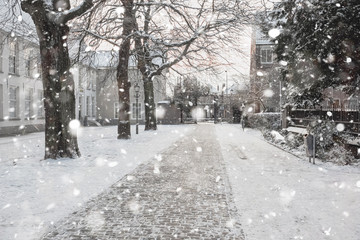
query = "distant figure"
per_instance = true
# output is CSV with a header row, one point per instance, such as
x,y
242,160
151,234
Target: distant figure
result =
x,y
85,121
244,119
309,146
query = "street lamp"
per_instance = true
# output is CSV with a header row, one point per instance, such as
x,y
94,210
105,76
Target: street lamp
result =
x,y
137,95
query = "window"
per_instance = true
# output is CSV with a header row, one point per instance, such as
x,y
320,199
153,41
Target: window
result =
x,y
88,106
266,55
80,107
13,57
40,105
116,110
29,103
89,75
29,66
1,102
93,106
13,101
134,110
82,78
1,52
336,104
94,82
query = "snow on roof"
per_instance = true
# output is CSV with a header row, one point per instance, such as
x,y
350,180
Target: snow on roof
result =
x,y
261,38
104,59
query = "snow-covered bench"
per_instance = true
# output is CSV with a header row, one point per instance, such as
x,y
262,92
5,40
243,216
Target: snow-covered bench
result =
x,y
299,130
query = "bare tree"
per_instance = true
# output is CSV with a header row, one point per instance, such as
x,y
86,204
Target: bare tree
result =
x,y
180,30
122,72
165,33
51,21
111,25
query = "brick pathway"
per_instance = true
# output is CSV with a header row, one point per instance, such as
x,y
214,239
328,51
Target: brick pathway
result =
x,y
181,194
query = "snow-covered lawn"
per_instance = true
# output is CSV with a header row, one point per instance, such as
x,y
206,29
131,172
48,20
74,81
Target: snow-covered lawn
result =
x,y
34,193
280,196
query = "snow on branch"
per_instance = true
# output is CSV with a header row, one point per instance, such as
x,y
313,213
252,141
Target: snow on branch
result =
x,y
60,17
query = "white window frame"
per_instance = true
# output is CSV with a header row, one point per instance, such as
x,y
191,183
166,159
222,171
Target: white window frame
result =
x,y
93,106
266,51
339,104
353,104
40,105
28,111
88,106
133,112
1,52
13,57
1,102
29,66
13,102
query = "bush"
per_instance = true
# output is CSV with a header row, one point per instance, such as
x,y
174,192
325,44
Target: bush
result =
x,y
339,155
324,136
293,140
262,121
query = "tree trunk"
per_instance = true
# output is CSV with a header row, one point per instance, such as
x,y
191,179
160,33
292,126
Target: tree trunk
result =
x,y
150,108
58,85
124,106
124,130
181,115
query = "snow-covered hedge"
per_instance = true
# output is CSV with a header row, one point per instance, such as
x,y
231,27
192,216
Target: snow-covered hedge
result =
x,y
270,121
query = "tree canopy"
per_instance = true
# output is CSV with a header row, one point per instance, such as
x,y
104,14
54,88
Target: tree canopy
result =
x,y
318,45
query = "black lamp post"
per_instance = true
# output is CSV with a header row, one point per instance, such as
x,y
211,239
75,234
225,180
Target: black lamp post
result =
x,y
137,95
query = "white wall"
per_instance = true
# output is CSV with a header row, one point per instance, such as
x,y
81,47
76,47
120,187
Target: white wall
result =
x,y
22,83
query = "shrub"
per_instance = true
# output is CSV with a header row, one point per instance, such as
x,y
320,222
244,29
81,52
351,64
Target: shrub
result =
x,y
293,140
324,136
262,121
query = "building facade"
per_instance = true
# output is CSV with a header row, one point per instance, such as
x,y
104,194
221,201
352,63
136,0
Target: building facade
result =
x,y
21,90
85,91
107,90
265,92
21,94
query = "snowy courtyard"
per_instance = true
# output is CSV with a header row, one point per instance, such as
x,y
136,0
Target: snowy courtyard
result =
x,y
133,119
277,195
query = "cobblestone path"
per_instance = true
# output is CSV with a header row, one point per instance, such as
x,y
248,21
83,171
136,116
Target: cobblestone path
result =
x,y
181,194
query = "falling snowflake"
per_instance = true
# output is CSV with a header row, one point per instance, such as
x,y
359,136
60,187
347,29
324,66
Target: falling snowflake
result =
x,y
217,178
273,33
268,93
113,164
74,124
340,127
50,206
76,192
123,151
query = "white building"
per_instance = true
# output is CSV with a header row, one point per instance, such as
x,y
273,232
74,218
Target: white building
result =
x,y
21,95
85,92
107,88
21,91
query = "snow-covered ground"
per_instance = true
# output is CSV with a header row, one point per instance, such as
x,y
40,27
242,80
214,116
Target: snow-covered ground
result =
x,y
34,193
280,196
